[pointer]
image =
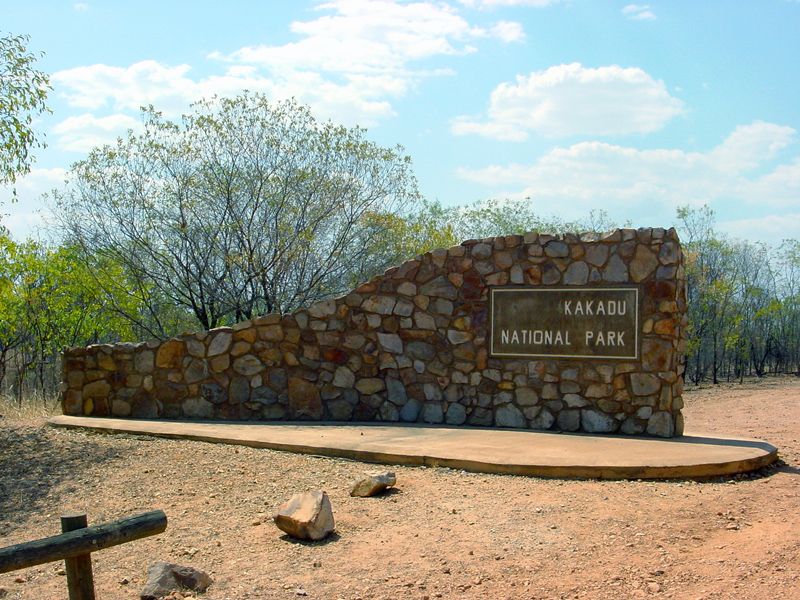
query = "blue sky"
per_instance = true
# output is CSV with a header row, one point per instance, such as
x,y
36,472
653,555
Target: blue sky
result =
x,y
577,104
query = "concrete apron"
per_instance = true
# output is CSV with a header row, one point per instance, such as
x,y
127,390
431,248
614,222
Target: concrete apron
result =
x,y
480,450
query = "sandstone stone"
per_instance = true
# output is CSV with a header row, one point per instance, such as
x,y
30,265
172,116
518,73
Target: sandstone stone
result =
x,y
644,384
500,278
661,424
569,420
575,400
480,416
596,254
238,390
170,354
594,421
668,254
396,392
432,412
271,333
306,516
120,408
388,412
576,274
598,390
340,410
164,578
97,389
369,385
551,274
643,264
344,378
383,305
373,484
439,287
264,395
481,251
526,396
508,415
679,424
390,342
543,421
442,306
632,426
656,354
145,407
549,391
403,308
304,399
516,274
277,379
407,289
220,343
424,320
248,365
410,411
197,408
322,309
105,362
420,350
569,387
458,337
556,249
615,271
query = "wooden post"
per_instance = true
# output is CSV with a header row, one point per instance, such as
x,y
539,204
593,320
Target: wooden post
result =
x,y
81,541
80,583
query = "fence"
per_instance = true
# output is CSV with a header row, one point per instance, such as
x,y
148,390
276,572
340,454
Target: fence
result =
x,y
76,544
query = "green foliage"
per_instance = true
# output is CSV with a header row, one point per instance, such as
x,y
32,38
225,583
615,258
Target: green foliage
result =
x,y
244,207
23,95
48,301
742,316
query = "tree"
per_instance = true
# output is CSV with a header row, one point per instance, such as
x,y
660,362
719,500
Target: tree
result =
x,y
243,207
48,301
23,95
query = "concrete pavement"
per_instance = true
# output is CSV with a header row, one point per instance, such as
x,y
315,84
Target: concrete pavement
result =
x,y
483,450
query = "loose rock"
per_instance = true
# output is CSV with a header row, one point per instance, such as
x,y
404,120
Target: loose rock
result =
x,y
163,578
306,516
373,484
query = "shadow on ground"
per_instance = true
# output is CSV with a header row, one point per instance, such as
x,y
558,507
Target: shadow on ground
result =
x,y
35,460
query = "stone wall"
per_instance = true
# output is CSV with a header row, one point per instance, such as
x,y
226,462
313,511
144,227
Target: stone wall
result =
x,y
411,345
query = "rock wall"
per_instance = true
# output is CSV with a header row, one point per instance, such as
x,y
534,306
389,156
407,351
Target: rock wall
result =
x,y
412,345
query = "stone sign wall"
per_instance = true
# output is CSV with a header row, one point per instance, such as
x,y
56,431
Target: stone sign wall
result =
x,y
573,333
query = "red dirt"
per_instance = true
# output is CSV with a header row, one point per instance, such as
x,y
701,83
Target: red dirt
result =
x,y
441,534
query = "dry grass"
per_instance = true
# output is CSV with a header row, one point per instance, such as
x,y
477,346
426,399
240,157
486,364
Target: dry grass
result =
x,y
32,406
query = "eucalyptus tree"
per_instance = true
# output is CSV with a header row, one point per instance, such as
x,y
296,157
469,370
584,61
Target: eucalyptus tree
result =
x,y
242,207
23,95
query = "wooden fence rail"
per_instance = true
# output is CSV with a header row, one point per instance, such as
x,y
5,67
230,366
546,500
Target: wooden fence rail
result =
x,y
75,545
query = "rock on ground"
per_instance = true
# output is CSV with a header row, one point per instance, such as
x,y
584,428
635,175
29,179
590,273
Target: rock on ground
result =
x,y
373,483
164,578
306,516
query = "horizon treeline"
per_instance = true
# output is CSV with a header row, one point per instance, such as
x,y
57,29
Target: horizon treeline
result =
x,y
246,207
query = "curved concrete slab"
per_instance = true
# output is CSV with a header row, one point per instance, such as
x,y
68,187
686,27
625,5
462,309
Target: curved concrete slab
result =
x,y
507,451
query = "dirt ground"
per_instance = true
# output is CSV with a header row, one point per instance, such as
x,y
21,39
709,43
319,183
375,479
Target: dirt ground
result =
x,y
441,534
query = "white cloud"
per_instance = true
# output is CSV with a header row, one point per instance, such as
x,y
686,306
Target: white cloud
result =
x,y
508,31
639,12
488,4
349,63
125,88
80,7
81,133
575,100
633,183
771,228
